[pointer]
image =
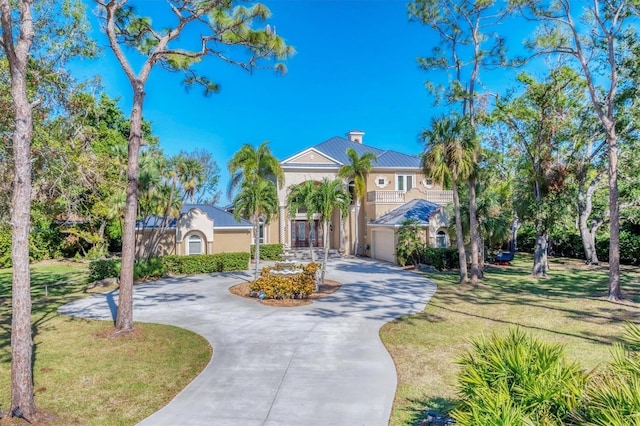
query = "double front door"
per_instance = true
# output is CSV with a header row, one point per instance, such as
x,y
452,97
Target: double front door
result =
x,y
303,232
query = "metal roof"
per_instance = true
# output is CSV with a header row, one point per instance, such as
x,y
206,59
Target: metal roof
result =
x,y
336,148
420,210
221,218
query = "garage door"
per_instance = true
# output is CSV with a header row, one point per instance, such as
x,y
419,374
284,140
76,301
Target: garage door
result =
x,y
384,246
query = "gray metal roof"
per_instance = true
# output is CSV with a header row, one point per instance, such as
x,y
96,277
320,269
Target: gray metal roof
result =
x,y
420,210
336,148
221,218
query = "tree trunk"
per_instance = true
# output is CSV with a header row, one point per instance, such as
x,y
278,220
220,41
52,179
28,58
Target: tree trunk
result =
x,y
326,253
124,320
614,214
459,238
355,243
585,208
256,233
22,401
21,338
540,253
473,231
311,222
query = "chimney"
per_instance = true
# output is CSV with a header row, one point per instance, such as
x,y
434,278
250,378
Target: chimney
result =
x,y
355,136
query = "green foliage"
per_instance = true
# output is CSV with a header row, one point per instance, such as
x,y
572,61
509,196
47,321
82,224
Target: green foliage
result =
x,y
268,251
205,263
104,268
148,269
409,243
298,286
5,246
157,267
612,398
517,380
441,258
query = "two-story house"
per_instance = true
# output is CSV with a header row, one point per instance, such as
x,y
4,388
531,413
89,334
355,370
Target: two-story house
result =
x,y
397,189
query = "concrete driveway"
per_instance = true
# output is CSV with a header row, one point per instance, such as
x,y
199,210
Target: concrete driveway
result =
x,y
319,364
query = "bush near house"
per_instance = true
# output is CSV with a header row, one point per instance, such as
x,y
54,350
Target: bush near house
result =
x,y
299,286
268,251
179,265
206,263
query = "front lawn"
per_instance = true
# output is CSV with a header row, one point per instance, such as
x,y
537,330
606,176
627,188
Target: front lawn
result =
x,y
82,374
569,307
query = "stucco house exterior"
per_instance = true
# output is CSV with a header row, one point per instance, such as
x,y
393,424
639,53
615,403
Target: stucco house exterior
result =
x,y
396,189
200,229
395,180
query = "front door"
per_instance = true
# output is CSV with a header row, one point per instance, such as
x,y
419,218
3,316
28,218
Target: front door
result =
x,y
301,233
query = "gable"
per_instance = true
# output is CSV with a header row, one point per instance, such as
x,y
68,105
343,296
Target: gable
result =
x,y
310,156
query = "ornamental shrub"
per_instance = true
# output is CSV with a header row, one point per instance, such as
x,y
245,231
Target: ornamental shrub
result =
x,y
299,286
517,380
441,258
104,268
268,251
206,263
612,397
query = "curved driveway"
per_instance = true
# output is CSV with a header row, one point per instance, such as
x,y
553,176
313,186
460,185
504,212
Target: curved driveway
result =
x,y
319,364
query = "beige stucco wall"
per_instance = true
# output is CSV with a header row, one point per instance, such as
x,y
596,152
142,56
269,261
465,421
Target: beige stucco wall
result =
x,y
231,240
166,245
194,220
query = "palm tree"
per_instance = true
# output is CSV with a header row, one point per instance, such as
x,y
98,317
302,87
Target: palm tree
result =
x,y
250,169
358,168
449,160
256,201
301,196
251,164
327,196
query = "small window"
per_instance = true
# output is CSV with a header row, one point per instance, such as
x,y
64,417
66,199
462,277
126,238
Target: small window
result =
x,y
428,182
404,183
441,239
381,181
194,245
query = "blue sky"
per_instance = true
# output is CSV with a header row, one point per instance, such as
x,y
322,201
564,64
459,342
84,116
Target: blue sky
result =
x,y
355,68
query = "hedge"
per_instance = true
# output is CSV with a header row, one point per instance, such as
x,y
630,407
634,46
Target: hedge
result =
x,y
206,263
179,265
268,251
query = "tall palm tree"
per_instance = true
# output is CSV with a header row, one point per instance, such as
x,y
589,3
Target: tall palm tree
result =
x,y
250,168
327,196
448,159
252,164
301,196
256,201
358,168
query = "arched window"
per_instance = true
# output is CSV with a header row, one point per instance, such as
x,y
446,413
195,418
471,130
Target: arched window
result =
x,y
194,245
441,239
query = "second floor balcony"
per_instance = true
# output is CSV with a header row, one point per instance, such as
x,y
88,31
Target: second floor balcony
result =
x,y
438,196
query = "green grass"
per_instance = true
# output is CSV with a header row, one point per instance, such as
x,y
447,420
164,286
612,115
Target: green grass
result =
x,y
569,307
82,374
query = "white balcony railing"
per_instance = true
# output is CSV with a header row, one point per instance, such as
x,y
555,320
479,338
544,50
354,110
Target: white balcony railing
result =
x,y
438,196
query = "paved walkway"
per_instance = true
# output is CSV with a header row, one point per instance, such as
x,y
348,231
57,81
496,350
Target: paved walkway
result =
x,y
319,364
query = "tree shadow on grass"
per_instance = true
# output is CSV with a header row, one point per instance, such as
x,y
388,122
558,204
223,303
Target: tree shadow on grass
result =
x,y
560,292
418,409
